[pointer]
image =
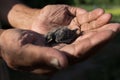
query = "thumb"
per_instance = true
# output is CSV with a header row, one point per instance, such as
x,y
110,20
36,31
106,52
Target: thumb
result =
x,y
46,56
76,10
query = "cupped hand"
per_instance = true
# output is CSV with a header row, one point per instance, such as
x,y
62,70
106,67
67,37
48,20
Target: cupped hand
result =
x,y
90,39
26,50
52,16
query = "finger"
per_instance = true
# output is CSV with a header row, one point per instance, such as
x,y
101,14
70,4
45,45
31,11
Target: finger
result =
x,y
80,47
76,10
115,27
102,20
90,16
81,22
97,36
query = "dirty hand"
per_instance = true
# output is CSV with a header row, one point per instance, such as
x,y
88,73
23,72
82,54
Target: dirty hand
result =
x,y
26,50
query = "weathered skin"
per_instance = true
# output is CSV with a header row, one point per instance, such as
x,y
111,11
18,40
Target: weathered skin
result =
x,y
61,35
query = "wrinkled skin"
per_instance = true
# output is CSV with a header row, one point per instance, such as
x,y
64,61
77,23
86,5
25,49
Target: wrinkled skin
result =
x,y
26,50
53,16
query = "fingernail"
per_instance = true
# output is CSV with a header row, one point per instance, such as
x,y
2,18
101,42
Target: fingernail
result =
x,y
54,62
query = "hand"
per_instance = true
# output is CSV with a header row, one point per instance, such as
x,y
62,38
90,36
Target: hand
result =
x,y
26,50
52,16
29,50
90,39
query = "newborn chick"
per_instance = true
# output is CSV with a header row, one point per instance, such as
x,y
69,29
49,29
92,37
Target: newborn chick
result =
x,y
61,35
